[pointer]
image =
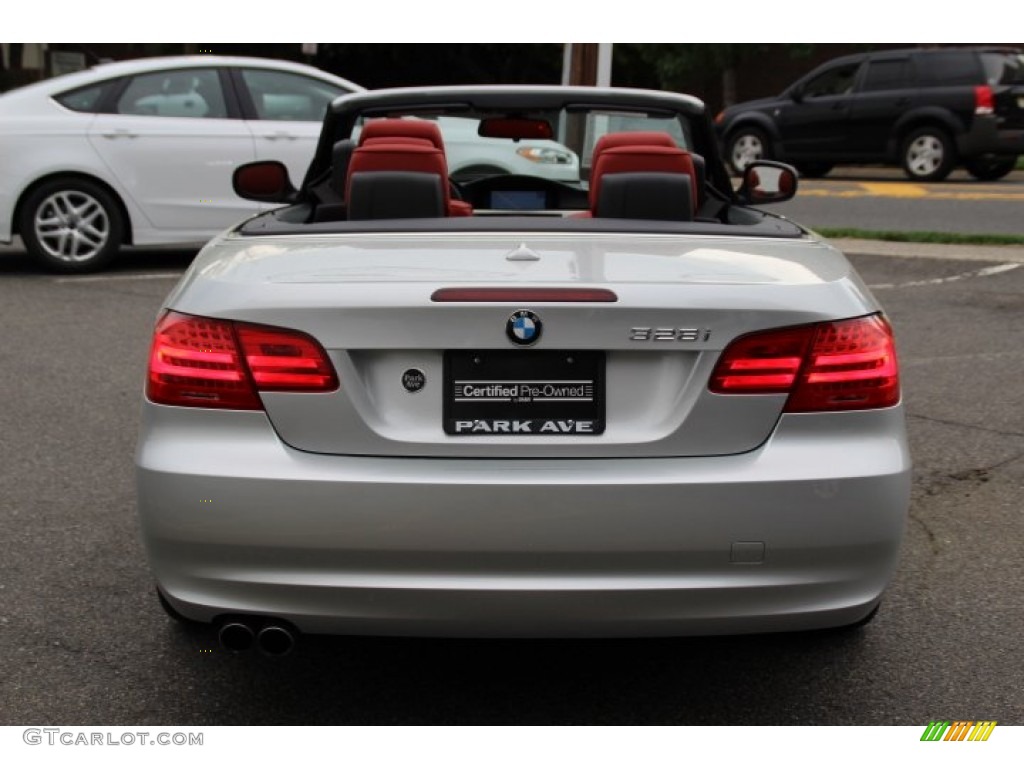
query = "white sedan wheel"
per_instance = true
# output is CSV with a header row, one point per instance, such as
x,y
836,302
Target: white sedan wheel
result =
x,y
71,225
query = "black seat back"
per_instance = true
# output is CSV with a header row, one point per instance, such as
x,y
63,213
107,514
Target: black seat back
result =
x,y
395,195
646,195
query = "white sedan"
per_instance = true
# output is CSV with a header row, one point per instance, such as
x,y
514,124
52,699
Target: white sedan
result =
x,y
142,152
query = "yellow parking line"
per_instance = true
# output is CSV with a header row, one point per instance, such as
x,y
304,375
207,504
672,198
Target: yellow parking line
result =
x,y
915,192
976,196
893,189
804,192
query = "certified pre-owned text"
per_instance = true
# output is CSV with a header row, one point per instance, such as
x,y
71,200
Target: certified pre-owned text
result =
x,y
523,392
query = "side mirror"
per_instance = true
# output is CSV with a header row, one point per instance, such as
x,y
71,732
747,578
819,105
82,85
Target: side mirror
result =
x,y
766,181
797,94
265,181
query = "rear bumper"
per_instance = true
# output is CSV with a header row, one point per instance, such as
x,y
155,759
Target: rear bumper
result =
x,y
985,136
801,533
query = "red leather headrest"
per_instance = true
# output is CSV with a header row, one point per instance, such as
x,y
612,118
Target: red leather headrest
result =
x,y
414,129
397,140
630,139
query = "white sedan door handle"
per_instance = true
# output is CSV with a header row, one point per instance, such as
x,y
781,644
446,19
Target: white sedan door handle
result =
x,y
119,133
280,135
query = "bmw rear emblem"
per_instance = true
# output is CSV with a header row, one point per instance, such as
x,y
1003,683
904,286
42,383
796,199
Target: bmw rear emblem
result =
x,y
523,327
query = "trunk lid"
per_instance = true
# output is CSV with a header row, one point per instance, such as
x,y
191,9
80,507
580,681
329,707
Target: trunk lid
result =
x,y
368,300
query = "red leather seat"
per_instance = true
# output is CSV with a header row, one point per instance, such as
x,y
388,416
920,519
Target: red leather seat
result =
x,y
394,132
409,158
640,159
651,139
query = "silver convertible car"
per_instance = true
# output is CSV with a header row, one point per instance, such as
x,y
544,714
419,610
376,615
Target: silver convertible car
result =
x,y
631,405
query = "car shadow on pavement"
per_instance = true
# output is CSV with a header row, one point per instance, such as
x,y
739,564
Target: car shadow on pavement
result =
x,y
373,680
15,262
958,177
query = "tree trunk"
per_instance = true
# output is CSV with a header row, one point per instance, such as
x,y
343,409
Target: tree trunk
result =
x,y
729,86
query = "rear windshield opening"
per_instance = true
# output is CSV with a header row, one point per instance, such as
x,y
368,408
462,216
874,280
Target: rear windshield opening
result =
x,y
1004,68
453,162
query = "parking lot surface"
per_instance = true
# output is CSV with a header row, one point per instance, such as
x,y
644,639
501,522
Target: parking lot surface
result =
x,y
84,641
882,199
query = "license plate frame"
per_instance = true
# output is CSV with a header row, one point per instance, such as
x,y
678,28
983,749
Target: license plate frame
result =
x,y
524,393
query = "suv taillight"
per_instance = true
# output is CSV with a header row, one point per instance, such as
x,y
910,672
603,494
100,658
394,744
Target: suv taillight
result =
x,y
984,103
206,363
835,366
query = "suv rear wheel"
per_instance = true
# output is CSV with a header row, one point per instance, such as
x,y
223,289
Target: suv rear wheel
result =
x,y
990,167
747,144
928,154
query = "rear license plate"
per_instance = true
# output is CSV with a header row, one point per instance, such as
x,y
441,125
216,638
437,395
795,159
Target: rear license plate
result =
x,y
523,393
1020,102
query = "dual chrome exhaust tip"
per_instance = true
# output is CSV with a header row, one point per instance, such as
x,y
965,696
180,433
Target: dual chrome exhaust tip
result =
x,y
272,639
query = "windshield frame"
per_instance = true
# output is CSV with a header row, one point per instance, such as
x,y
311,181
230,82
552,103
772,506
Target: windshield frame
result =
x,y
346,112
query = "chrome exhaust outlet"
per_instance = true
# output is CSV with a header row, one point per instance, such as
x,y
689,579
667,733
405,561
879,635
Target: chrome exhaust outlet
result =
x,y
235,637
275,640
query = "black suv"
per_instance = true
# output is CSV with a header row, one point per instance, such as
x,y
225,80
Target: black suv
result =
x,y
924,109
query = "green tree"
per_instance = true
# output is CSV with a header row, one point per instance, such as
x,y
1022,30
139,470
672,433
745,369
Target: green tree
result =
x,y
708,70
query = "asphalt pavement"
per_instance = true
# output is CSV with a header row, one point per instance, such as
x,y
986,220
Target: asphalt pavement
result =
x,y
882,199
83,640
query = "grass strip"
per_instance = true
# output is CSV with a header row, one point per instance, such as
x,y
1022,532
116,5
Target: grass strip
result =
x,y
941,238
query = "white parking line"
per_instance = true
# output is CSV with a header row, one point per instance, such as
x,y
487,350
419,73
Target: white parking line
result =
x,y
983,272
946,359
105,278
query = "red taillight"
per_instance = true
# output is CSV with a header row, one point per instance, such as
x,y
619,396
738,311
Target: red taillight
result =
x,y
286,361
984,103
195,361
762,363
851,365
207,363
844,365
